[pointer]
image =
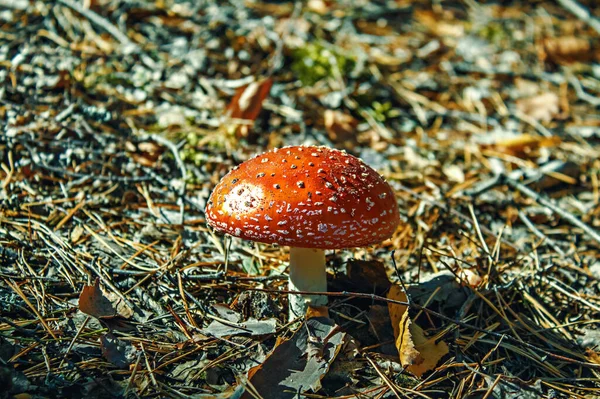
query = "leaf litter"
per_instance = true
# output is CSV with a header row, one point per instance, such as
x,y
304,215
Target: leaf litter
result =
x,y
119,117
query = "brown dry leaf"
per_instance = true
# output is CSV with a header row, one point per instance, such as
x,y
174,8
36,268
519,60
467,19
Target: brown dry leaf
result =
x,y
523,146
109,309
145,153
76,233
339,125
123,310
418,353
247,103
433,22
317,311
567,49
318,6
93,302
592,356
543,107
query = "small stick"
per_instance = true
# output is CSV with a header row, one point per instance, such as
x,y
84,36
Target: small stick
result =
x,y
79,330
180,164
418,307
581,12
129,46
541,235
540,199
15,287
553,207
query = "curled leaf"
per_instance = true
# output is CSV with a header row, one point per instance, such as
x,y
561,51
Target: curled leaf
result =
x,y
418,353
247,103
93,302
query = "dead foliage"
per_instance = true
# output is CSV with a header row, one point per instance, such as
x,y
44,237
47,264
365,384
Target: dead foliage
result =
x,y
118,118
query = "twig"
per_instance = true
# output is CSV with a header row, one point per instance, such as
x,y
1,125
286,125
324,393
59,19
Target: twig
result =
x,y
539,234
454,212
128,46
503,179
418,307
72,343
15,287
553,207
581,12
581,94
182,170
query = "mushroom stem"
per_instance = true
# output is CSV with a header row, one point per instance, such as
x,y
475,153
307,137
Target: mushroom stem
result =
x,y
307,273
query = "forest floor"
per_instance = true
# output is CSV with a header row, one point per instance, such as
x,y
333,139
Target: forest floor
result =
x,y
118,118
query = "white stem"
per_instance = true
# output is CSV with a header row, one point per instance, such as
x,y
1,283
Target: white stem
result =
x,y
307,273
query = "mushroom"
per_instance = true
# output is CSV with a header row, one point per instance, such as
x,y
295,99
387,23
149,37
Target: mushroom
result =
x,y
311,199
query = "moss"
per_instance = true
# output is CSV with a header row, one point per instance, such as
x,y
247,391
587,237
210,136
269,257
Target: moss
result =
x,y
493,32
406,381
383,111
314,62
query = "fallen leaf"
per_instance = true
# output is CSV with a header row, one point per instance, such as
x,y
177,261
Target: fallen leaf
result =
x,y
436,24
247,103
108,308
339,125
76,233
567,49
317,311
523,146
418,353
442,287
249,327
297,365
230,322
318,6
145,153
470,278
454,173
543,107
363,276
93,302
118,352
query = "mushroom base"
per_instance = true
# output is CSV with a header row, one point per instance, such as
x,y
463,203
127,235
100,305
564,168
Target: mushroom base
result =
x,y
307,273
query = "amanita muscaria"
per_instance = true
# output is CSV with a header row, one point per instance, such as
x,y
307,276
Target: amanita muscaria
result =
x,y
311,199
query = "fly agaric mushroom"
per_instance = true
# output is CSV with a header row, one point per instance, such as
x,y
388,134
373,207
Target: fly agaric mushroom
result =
x,y
310,198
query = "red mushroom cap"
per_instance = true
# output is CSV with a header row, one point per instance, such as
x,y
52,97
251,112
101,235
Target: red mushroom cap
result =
x,y
311,197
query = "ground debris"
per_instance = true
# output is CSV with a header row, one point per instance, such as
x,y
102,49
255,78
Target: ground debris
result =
x,y
118,117
297,365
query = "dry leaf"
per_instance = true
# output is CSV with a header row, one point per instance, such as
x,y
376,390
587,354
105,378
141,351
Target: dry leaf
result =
x,y
145,153
317,311
247,103
470,277
251,327
118,352
76,233
297,365
567,49
93,302
318,6
543,107
107,308
439,27
523,146
340,126
592,356
418,353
